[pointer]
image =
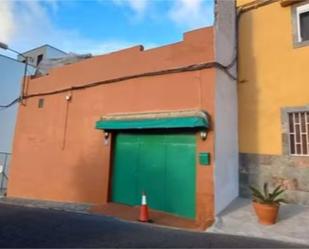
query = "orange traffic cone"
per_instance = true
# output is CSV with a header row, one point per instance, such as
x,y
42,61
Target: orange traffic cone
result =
x,y
144,214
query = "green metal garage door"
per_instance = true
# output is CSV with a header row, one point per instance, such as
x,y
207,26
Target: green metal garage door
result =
x,y
162,165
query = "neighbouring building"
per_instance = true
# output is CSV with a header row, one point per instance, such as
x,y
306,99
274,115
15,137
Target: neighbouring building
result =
x,y
273,96
36,55
12,72
162,120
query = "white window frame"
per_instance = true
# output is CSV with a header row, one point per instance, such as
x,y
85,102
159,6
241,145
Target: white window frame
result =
x,y
301,133
300,10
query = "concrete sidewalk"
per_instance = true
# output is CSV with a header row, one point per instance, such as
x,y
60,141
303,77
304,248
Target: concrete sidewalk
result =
x,y
131,213
239,219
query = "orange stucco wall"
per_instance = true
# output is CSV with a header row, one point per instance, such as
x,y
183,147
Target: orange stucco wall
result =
x,y
59,155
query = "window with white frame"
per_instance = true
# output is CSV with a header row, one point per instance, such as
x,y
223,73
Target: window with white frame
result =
x,y
302,20
299,133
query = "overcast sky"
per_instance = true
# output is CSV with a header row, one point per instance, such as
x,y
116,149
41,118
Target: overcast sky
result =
x,y
99,26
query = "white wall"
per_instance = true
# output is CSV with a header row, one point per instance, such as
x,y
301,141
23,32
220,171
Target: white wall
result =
x,y
226,127
11,73
54,53
33,55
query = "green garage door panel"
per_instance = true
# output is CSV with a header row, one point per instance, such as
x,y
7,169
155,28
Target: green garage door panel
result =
x,y
162,165
151,170
180,179
124,187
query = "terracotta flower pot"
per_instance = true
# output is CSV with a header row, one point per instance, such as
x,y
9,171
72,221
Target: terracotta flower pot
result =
x,y
267,213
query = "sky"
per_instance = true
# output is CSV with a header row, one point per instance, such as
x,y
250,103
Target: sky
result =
x,y
99,26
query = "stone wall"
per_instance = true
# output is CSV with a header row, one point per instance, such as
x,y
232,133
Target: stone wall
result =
x,y
290,171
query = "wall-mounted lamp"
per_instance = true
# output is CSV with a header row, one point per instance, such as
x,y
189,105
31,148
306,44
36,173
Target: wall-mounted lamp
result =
x,y
203,135
106,137
68,97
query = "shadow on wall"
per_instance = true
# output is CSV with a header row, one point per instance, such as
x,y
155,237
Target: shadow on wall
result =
x,y
90,174
248,100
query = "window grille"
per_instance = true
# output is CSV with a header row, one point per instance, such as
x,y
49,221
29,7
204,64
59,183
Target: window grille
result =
x,y
299,133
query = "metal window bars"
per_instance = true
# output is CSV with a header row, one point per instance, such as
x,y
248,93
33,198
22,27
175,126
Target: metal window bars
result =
x,y
299,133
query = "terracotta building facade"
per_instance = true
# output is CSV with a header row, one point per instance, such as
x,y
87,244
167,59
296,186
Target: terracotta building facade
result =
x,y
161,121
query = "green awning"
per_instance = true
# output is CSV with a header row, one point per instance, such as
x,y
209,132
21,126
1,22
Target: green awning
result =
x,y
153,123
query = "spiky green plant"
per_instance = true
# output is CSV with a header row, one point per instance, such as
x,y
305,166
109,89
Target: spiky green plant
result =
x,y
266,197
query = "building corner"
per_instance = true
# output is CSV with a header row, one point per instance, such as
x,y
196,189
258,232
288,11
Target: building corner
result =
x,y
226,177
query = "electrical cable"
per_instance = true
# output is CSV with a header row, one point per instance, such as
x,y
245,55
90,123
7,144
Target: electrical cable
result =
x,y
15,101
189,68
194,67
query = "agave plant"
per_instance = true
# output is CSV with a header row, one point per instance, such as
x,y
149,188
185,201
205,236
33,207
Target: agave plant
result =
x,y
266,197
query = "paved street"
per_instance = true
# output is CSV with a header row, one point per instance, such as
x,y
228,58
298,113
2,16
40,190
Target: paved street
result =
x,y
34,227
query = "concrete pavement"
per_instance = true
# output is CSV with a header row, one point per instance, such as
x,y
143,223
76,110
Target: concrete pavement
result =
x,y
239,219
36,227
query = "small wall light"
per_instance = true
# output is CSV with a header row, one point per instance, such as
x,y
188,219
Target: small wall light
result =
x,y
203,135
106,137
68,97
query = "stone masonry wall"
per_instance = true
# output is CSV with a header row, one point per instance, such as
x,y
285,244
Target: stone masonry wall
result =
x,y
290,171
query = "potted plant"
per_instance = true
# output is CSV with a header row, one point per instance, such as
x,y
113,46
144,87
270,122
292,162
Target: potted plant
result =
x,y
266,204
